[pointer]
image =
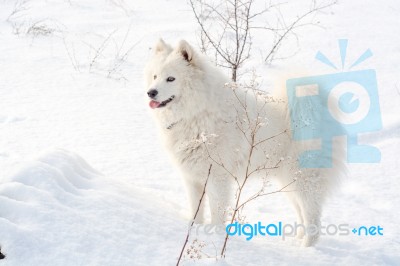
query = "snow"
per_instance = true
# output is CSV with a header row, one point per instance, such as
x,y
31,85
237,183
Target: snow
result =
x,y
84,179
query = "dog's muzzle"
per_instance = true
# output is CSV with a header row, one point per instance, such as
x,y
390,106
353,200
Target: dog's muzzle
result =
x,y
154,104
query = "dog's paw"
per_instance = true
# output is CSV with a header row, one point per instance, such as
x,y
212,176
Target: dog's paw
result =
x,y
300,233
309,240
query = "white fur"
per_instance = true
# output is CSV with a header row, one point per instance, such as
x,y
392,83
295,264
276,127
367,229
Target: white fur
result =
x,y
204,125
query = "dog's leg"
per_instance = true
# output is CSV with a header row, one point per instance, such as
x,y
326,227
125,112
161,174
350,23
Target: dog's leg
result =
x,y
300,228
306,197
310,197
285,179
311,212
219,195
194,192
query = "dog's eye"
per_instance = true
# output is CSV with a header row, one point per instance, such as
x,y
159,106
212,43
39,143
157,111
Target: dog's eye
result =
x,y
170,79
155,76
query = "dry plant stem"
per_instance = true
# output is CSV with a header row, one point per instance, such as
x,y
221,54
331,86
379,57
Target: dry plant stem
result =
x,y
194,218
253,143
237,18
293,26
255,196
71,55
203,30
232,42
240,190
260,194
99,50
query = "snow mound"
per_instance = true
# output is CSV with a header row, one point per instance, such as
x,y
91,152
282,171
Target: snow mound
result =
x,y
59,172
58,210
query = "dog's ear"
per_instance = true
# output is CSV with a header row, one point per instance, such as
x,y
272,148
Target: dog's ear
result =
x,y
185,50
161,46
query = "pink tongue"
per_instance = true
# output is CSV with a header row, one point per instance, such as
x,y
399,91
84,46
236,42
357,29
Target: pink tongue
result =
x,y
154,104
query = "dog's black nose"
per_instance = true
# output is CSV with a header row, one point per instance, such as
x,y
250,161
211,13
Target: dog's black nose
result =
x,y
152,93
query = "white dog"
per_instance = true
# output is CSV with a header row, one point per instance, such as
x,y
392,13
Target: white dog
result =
x,y
240,132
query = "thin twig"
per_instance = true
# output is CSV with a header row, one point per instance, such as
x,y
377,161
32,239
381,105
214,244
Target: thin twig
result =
x,y
194,218
259,194
293,25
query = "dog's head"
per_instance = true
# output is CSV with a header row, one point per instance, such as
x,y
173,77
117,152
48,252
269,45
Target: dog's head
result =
x,y
168,75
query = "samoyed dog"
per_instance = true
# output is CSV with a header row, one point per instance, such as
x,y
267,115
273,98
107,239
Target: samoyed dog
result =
x,y
204,120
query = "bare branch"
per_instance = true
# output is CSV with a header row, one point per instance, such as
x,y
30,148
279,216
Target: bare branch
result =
x,y
100,49
292,26
274,136
260,194
206,33
194,218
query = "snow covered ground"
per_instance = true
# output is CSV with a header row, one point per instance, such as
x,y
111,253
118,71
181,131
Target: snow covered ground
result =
x,y
83,177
